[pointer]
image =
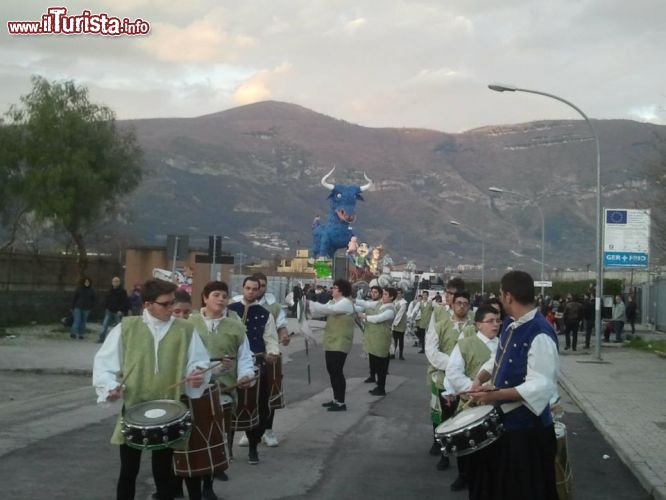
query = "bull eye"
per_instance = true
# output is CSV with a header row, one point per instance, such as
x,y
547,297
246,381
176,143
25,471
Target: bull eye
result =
x,y
338,196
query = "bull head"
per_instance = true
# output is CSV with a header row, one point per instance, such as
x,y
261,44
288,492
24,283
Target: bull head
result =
x,y
343,197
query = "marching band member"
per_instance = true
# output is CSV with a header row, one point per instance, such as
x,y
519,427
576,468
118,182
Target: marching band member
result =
x,y
399,325
153,352
524,372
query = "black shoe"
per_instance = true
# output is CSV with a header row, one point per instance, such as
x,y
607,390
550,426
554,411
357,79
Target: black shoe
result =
x,y
208,494
370,380
253,457
329,404
222,476
421,351
416,344
377,392
401,357
435,449
459,484
566,348
338,407
443,463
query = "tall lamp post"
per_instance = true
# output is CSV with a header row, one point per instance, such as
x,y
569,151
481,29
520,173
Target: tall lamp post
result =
x,y
600,282
483,258
543,222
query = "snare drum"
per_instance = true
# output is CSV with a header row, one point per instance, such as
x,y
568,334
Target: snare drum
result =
x,y
206,451
246,414
155,425
563,475
470,430
274,382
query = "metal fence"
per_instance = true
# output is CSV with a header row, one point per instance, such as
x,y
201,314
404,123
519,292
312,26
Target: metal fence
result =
x,y
654,302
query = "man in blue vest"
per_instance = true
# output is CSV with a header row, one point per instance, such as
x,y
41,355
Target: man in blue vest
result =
x,y
262,336
524,376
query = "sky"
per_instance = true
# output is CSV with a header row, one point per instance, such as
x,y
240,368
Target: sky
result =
x,y
377,63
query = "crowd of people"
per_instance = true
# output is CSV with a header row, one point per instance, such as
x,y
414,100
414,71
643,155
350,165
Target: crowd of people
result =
x,y
499,353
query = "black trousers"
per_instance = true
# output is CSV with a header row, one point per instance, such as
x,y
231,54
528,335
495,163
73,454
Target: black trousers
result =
x,y
254,435
589,326
399,341
571,333
130,463
335,363
380,368
420,334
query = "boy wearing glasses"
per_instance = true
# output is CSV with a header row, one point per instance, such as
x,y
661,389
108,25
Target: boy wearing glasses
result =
x,y
467,358
152,353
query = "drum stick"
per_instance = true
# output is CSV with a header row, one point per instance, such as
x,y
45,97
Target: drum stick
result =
x,y
184,379
467,393
124,379
232,387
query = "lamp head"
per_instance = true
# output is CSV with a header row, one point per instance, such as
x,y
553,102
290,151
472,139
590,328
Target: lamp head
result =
x,y
494,189
454,222
502,87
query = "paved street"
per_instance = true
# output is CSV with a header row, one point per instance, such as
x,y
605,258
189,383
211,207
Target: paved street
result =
x,y
54,443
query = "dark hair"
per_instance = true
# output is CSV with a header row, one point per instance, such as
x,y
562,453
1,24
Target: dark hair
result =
x,y
260,276
438,298
497,301
213,286
392,292
344,286
520,285
484,309
182,296
461,293
153,288
378,288
456,283
82,281
250,278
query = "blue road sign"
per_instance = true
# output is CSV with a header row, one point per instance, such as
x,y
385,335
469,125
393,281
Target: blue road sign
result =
x,y
625,259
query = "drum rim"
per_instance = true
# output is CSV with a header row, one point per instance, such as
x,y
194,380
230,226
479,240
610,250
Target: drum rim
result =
x,y
469,426
184,416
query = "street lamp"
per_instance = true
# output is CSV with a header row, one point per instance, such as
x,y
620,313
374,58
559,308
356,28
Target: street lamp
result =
x,y
493,189
483,258
498,87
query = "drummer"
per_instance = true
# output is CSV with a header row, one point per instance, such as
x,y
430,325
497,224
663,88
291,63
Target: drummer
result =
x,y
465,361
524,371
153,353
223,334
262,336
267,300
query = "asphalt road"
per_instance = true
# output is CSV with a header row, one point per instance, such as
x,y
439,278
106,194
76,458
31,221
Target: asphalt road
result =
x,y
377,450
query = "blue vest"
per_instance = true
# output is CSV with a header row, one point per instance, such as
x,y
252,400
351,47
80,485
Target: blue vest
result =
x,y
513,370
255,322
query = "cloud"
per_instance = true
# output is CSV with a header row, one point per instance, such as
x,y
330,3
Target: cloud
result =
x,y
258,87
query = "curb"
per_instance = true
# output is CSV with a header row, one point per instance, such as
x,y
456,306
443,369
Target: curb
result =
x,y
83,372
644,475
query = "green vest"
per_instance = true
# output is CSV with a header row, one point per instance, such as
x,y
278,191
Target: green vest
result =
x,y
426,312
474,353
225,340
143,384
274,309
447,337
339,333
402,324
377,336
440,313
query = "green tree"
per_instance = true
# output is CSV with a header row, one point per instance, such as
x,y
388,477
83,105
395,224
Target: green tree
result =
x,y
68,161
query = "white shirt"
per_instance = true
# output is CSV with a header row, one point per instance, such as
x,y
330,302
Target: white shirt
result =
x,y
244,362
270,330
108,360
342,306
456,381
437,358
543,366
401,307
414,310
386,311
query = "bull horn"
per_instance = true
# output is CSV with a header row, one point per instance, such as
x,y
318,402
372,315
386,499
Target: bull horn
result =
x,y
327,185
367,186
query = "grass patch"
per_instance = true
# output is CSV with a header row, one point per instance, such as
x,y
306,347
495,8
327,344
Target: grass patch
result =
x,y
656,346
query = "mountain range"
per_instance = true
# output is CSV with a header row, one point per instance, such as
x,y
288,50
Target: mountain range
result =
x,y
253,174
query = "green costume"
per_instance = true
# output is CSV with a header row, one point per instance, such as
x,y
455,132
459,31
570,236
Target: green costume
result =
x,y
475,353
377,336
339,333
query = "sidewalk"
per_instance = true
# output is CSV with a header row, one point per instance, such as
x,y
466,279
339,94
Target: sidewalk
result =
x,y
624,396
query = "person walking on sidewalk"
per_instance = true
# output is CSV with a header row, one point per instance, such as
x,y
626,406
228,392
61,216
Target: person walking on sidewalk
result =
x,y
338,337
618,318
116,303
631,312
573,314
83,302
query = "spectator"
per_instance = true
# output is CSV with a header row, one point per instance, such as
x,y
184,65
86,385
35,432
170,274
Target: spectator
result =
x,y
588,316
84,301
572,316
631,313
135,300
618,318
116,303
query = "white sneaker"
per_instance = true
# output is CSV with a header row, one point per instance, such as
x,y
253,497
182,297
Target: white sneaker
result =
x,y
244,441
269,438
